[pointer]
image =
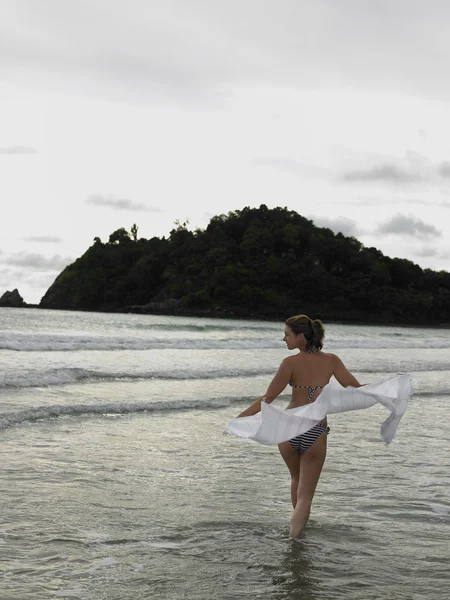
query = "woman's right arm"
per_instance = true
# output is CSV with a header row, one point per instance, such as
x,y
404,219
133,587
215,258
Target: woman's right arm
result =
x,y
342,374
278,384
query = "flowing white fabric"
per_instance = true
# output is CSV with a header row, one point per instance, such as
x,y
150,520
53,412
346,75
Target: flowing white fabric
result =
x,y
274,425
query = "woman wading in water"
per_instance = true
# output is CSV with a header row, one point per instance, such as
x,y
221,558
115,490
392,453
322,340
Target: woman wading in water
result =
x,y
308,372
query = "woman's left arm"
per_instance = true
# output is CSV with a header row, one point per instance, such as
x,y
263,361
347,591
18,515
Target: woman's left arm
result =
x,y
277,385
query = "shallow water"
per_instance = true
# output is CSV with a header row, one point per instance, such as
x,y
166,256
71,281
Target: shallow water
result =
x,y
124,486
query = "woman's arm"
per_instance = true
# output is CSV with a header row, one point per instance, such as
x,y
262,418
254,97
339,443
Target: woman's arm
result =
x,y
343,375
277,385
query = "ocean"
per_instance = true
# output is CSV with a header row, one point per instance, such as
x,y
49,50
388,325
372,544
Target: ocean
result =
x,y
118,482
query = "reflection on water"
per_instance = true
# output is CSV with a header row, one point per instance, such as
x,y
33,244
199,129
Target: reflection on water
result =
x,y
297,577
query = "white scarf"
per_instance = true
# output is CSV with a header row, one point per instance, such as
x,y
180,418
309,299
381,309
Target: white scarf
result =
x,y
274,425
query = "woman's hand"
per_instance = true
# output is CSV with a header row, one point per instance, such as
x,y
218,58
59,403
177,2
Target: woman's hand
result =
x,y
254,408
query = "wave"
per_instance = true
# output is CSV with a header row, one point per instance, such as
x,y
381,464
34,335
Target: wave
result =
x,y
74,375
433,394
391,367
109,408
67,343
43,413
39,342
177,327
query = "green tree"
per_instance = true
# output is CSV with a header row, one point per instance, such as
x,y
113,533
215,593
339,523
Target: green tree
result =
x,y
256,262
134,232
120,236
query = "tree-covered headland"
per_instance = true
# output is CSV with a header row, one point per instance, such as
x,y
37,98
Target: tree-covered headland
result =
x,y
255,262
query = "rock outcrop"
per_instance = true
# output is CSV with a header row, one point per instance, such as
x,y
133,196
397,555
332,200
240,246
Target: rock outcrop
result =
x,y
12,299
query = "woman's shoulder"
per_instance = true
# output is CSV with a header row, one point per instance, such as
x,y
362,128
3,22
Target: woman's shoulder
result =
x,y
329,354
289,360
330,357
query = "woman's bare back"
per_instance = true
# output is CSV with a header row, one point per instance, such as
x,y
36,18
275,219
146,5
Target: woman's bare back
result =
x,y
311,372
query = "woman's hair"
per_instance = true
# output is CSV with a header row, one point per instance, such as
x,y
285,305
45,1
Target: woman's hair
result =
x,y
313,331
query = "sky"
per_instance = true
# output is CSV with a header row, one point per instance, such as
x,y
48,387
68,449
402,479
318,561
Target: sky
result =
x,y
150,112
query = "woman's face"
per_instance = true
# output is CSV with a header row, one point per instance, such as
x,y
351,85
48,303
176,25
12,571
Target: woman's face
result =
x,y
290,338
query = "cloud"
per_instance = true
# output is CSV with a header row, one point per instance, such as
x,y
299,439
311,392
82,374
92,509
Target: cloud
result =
x,y
37,261
408,225
110,201
43,239
386,172
444,169
426,251
189,49
9,150
170,53
343,225
15,275
412,168
391,200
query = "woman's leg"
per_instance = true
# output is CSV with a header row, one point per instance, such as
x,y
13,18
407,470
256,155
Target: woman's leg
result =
x,y
292,460
311,464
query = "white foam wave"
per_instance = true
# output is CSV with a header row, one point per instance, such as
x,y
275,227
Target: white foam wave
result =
x,y
106,408
47,378
65,376
73,375
43,342
203,327
22,342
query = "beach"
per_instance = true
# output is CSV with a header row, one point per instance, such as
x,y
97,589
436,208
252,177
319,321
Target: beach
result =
x,y
119,482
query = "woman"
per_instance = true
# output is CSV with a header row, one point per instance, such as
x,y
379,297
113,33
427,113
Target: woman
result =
x,y
308,372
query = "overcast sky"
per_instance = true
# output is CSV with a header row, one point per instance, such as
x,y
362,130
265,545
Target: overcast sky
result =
x,y
148,111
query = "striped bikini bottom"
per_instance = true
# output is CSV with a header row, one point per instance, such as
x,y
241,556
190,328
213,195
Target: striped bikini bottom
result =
x,y
301,443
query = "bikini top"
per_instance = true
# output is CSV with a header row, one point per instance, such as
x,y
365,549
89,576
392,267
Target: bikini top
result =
x,y
311,389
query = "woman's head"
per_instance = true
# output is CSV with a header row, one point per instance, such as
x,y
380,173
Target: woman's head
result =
x,y
313,331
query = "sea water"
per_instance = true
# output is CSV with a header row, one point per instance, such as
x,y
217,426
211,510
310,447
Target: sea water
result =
x,y
117,481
